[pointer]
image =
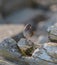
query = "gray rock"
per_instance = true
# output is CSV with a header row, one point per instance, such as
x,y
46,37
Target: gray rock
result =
x,y
31,60
36,53
3,62
52,31
51,49
7,42
25,46
37,61
8,49
42,39
45,54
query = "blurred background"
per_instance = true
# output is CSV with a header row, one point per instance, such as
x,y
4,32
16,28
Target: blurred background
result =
x,y
15,14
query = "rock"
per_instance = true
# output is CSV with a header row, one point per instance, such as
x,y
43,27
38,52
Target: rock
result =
x,y
31,60
8,49
25,46
3,62
47,54
52,32
37,61
42,39
36,53
7,42
51,49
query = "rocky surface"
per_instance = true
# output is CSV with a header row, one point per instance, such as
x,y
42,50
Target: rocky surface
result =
x,y
27,52
52,31
26,46
8,49
37,61
33,47
44,54
3,62
51,49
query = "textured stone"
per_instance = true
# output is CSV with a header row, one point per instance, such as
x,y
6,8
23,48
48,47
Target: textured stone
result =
x,y
51,49
8,49
3,62
52,31
25,46
42,39
47,53
37,61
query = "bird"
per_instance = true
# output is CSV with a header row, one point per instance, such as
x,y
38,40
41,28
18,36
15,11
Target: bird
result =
x,y
28,31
